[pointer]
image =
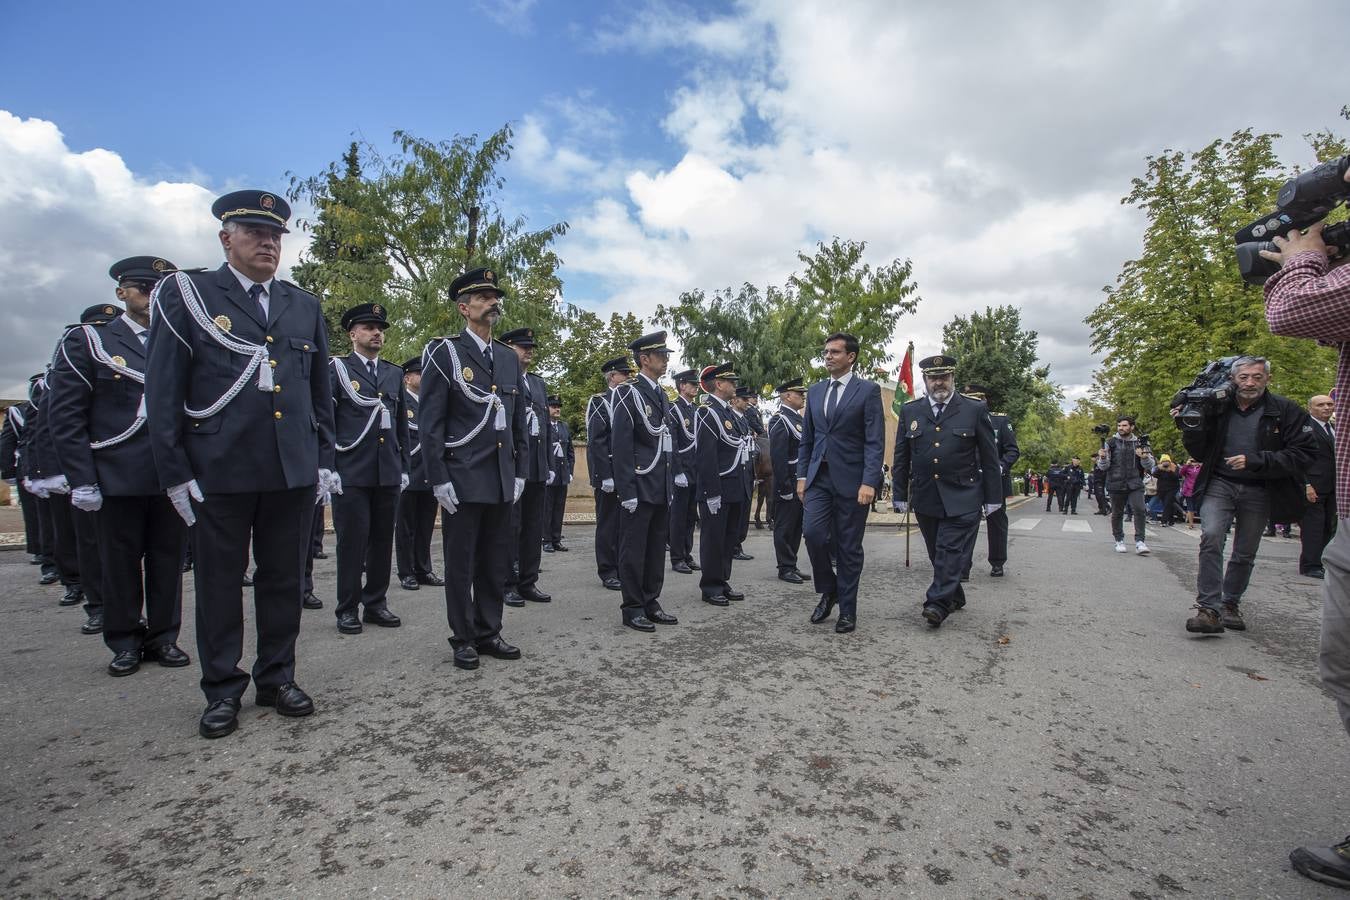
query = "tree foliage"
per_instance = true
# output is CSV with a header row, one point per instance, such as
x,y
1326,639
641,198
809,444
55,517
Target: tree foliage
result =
x,y
992,349
585,344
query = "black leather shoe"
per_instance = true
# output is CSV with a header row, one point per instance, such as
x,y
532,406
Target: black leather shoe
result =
x,y
612,584
548,548
741,554
717,600
124,663
466,657
641,623
800,574
1317,572
49,578
733,596
558,545
534,595
661,617
823,609
248,580
791,577
73,597
312,602
695,566
498,649
187,566
34,559
933,615
288,699
513,599
319,554
682,567
348,624
965,577
431,579
382,617
844,625
94,624
221,718
167,655
996,570
409,583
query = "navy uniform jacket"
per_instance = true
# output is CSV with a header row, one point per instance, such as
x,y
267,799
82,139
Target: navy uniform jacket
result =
x,y
417,467
562,454
642,466
680,420
953,462
852,441
1008,451
259,441
39,455
754,419
723,455
785,436
483,470
13,432
381,457
90,402
598,462
536,464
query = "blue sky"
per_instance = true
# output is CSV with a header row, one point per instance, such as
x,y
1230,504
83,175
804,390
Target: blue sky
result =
x,y
688,146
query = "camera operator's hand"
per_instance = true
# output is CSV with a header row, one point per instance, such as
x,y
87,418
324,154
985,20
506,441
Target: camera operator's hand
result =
x,y
1236,463
1175,411
1141,452
1297,243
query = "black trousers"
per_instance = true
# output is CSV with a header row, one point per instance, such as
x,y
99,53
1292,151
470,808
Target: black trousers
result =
x,y
743,529
1102,506
833,526
315,545
278,524
527,526
32,533
787,533
683,514
363,518
476,541
948,540
716,543
642,558
412,535
140,545
555,504
76,549
607,534
1071,500
1051,494
46,535
1315,531
996,526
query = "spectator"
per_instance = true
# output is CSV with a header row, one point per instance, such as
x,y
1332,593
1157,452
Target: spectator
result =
x,y
1318,525
1189,472
1168,477
1099,483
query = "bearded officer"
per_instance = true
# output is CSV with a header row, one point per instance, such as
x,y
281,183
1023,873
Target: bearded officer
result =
x,y
473,439
97,420
372,459
684,505
416,507
527,515
563,459
946,468
241,430
724,480
785,435
601,469
996,523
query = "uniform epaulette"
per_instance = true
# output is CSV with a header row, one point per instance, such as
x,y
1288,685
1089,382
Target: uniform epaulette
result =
x,y
290,284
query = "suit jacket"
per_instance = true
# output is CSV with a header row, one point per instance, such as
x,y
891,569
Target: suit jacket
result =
x,y
636,449
381,457
417,467
720,450
484,469
89,402
1008,451
562,455
852,441
946,466
680,420
785,437
1321,473
259,441
537,462
598,462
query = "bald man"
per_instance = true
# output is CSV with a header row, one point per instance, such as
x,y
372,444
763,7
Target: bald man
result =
x,y
1319,483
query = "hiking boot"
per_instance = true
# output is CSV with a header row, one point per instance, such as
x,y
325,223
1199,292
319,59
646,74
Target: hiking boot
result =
x,y
1329,865
1205,621
1232,618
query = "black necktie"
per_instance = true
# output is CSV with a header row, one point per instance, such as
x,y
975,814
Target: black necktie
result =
x,y
937,410
832,399
144,336
256,293
370,364
487,356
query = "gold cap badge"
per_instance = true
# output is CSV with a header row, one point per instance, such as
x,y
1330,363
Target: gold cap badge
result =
x,y
267,201
110,310
159,265
377,309
223,323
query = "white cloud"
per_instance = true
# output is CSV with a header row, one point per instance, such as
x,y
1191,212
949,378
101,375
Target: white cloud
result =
x,y
513,15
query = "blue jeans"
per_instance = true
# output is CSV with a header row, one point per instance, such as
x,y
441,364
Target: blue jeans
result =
x,y
1245,506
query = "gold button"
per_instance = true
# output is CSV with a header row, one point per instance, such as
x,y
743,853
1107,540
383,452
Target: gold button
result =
x,y
499,443
939,428
381,394
381,440
117,377
272,363
494,389
937,443
277,414
269,339
935,459
935,475
276,389
196,424
307,346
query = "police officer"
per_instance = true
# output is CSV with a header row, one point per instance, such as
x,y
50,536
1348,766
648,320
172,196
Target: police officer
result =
x,y
601,469
946,467
1055,481
527,514
371,428
416,507
684,506
785,435
996,523
241,430
473,440
745,420
724,481
97,418
1074,480
562,460
13,443
23,470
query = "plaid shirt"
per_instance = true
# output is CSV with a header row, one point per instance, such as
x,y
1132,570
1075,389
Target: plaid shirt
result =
x,y
1303,299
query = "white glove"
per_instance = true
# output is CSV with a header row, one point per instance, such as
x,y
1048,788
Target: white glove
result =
x,y
35,488
714,504
445,495
607,485
630,505
520,489
179,496
682,480
786,496
330,483
901,506
403,482
991,508
87,497
551,477
57,484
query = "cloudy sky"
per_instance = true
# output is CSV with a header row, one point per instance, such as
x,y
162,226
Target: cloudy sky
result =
x,y
688,145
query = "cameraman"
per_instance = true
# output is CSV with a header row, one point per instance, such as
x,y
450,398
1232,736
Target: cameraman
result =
x,y
1127,459
1253,452
1310,298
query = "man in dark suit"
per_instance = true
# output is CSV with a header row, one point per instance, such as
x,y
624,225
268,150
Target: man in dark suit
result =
x,y
996,523
372,460
241,430
643,480
724,483
562,461
946,467
601,470
785,435
1318,525
527,514
416,507
474,443
838,476
684,505
97,420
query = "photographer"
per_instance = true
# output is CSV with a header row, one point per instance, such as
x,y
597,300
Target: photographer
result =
x,y
1253,451
1127,459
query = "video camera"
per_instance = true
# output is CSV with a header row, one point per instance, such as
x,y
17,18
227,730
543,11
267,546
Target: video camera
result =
x,y
1302,201
1206,396
1102,430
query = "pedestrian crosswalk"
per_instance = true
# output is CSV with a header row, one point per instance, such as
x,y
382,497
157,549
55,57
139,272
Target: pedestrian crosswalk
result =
x,y
1079,525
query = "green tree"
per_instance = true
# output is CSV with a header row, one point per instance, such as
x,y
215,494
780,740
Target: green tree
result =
x,y
1040,435
992,349
585,344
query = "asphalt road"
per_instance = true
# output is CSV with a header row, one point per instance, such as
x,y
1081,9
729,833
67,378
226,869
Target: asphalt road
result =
x,y
1062,736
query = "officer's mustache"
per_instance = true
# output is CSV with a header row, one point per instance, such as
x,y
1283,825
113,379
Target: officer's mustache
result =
x,y
495,310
